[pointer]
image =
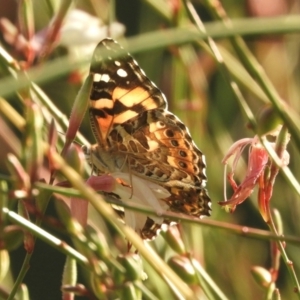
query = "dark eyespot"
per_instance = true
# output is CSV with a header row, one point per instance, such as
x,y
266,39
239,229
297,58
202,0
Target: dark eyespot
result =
x,y
182,164
174,143
169,133
182,153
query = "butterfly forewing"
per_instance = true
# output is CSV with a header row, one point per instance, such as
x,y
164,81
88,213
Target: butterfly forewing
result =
x,y
120,92
137,134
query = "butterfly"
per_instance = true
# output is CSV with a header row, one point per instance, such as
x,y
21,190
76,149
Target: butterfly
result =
x,y
136,133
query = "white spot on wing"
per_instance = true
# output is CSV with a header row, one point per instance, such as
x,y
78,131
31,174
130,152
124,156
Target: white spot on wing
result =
x,y
117,63
97,77
122,73
105,78
101,77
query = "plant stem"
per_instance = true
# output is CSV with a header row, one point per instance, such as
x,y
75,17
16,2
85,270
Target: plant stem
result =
x,y
21,275
285,258
280,148
45,236
247,58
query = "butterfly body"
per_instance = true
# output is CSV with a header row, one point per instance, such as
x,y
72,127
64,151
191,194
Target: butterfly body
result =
x,y
136,133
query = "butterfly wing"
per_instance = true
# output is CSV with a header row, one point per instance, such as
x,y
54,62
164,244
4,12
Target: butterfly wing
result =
x,y
159,148
121,91
133,128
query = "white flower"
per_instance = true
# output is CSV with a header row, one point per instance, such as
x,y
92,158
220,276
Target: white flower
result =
x,y
82,31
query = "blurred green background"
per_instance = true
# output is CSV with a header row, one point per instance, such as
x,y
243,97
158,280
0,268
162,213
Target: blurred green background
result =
x,y
200,96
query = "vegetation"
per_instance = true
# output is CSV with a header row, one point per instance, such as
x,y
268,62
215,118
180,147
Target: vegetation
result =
x,y
228,73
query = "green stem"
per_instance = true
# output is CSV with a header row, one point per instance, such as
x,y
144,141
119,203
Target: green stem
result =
x,y
285,258
54,28
21,275
280,148
45,236
286,113
242,230
211,290
221,64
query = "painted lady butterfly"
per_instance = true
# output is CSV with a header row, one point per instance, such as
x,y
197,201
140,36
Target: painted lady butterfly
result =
x,y
136,134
